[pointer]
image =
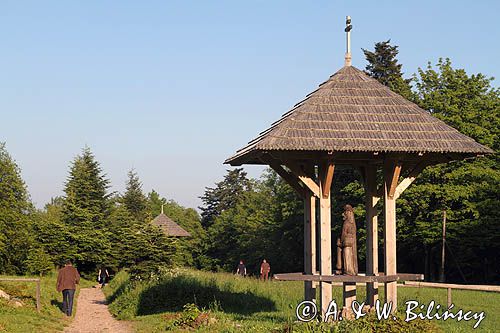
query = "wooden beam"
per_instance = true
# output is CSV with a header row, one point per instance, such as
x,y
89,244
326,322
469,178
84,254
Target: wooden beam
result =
x,y
489,288
325,243
349,296
327,179
349,278
309,245
303,176
289,177
403,185
370,181
391,175
392,168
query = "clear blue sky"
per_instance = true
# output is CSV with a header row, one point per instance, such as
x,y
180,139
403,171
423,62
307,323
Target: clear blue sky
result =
x,y
172,88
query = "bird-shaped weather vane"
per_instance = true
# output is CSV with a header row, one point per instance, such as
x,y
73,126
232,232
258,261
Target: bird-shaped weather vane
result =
x,y
348,28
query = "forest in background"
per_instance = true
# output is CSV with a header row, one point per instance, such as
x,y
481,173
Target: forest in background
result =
x,y
252,219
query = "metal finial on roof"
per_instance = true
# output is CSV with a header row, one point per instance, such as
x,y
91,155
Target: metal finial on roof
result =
x,y
348,28
162,208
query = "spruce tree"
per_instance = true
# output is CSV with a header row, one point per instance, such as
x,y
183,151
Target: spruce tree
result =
x,y
383,66
134,199
86,200
223,196
86,212
15,206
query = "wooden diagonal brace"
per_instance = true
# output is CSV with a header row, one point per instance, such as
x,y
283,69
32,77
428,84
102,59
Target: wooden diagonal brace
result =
x,y
304,177
392,170
403,185
327,178
289,177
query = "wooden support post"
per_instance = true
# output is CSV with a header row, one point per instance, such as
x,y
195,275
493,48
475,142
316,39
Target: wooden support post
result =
x,y
325,237
309,244
443,249
349,296
371,199
391,175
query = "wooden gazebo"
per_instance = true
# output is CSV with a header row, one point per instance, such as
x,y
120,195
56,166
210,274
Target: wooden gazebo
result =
x,y
168,226
352,119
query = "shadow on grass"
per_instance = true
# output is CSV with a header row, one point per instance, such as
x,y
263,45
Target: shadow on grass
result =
x,y
173,294
120,290
57,303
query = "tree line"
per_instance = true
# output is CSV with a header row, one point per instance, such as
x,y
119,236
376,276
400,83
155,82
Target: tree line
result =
x,y
89,225
252,219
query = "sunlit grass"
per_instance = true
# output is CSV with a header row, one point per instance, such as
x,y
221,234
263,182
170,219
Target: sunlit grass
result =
x,y
26,318
266,306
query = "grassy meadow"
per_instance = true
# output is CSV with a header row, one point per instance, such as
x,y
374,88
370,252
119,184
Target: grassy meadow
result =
x,y
233,304
26,318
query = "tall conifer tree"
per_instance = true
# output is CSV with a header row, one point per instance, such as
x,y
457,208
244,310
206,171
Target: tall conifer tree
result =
x,y
383,66
86,212
134,199
14,207
86,200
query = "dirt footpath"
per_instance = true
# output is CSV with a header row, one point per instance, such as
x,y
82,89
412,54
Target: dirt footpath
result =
x,y
92,315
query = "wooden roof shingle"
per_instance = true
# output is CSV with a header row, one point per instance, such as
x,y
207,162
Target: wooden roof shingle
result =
x,y
169,227
352,112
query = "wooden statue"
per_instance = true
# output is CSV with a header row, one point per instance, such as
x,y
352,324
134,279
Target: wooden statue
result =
x,y
338,266
348,241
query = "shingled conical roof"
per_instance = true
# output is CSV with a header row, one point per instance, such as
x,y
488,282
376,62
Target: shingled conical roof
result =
x,y
352,112
169,227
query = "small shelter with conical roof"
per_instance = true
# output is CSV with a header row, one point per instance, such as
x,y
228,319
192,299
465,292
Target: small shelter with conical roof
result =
x,y
352,119
168,226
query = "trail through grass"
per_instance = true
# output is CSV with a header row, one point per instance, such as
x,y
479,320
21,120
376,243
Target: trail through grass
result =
x,y
27,319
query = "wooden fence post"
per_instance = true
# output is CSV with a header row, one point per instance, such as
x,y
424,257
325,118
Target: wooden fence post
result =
x,y
38,295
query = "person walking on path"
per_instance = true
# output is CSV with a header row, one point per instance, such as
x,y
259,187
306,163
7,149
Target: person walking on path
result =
x,y
67,279
241,270
265,268
102,276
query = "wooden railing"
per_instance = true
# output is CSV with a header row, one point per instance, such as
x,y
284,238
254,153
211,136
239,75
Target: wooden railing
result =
x,y
495,289
38,288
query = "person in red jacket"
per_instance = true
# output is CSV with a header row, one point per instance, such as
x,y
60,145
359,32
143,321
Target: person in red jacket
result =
x,y
265,268
67,279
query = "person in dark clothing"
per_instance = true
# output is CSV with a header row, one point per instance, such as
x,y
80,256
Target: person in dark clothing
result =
x,y
103,276
265,268
241,270
67,279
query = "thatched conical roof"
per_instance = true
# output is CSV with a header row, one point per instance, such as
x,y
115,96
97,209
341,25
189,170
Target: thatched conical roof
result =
x,y
352,112
169,227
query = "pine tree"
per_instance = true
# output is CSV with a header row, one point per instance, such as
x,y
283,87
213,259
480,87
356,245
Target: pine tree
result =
x,y
15,206
223,196
154,203
86,210
134,199
86,201
383,66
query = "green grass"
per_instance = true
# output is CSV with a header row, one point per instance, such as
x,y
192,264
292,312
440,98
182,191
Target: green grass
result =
x,y
26,318
239,304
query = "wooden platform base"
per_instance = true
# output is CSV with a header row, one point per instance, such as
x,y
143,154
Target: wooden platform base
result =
x,y
349,278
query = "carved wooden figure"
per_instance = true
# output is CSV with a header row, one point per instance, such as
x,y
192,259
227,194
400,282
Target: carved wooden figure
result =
x,y
338,266
348,239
